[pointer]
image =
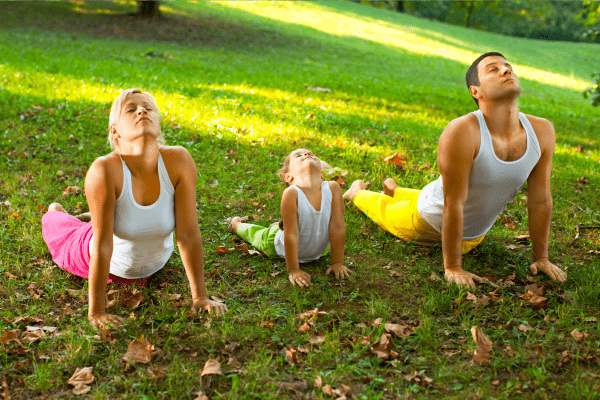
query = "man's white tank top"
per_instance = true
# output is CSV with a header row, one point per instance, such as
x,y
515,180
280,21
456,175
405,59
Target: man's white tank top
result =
x,y
143,235
492,185
313,226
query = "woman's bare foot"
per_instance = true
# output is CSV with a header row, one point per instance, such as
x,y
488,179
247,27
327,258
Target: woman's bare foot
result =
x,y
389,186
85,217
56,207
234,223
356,187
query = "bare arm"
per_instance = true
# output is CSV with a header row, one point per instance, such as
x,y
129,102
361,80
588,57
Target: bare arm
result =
x,y
337,233
539,201
456,151
187,231
101,198
291,235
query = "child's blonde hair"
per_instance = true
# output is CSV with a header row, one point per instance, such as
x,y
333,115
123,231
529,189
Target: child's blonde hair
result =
x,y
115,112
285,168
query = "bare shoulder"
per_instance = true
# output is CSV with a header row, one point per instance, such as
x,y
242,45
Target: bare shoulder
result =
x,y
290,195
173,155
179,164
462,127
544,131
335,188
105,167
460,135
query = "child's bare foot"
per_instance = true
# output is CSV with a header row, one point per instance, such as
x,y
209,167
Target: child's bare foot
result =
x,y
234,223
389,186
85,217
356,187
56,207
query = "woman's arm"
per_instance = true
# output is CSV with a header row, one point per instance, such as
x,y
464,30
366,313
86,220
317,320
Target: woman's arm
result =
x,y
337,233
187,231
101,197
291,235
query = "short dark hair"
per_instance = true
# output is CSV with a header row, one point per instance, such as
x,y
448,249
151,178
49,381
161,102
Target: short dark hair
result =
x,y
472,76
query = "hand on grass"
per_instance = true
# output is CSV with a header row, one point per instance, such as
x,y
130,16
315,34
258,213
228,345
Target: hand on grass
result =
x,y
340,270
461,277
203,303
106,321
300,278
550,269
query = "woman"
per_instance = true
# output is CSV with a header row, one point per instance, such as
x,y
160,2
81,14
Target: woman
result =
x,y
138,195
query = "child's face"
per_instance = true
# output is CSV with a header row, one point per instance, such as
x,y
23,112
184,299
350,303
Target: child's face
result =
x,y
302,162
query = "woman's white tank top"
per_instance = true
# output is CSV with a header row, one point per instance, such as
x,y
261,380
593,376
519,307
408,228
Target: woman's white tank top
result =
x,y
493,184
143,235
313,226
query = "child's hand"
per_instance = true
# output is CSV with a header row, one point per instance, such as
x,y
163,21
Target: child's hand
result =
x,y
300,278
339,270
106,321
203,303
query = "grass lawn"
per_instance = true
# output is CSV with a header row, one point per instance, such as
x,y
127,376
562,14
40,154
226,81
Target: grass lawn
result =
x,y
233,81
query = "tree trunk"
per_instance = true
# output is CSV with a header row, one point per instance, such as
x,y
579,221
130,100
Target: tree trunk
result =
x,y
148,9
400,6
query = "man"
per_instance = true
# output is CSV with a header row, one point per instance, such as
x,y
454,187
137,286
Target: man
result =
x,y
485,158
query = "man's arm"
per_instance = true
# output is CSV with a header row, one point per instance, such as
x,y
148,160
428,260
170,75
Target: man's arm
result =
x,y
456,151
539,201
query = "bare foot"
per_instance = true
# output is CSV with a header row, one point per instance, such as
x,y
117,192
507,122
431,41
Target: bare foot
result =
x,y
85,217
234,223
56,207
356,187
389,186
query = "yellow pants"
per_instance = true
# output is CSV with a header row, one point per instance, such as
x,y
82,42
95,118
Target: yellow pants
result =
x,y
399,216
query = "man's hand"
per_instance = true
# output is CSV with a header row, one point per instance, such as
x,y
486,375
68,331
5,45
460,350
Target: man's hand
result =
x,y
203,303
106,321
340,271
550,269
461,277
299,277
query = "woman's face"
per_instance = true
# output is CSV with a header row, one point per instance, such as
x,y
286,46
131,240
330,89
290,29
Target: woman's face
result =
x,y
137,118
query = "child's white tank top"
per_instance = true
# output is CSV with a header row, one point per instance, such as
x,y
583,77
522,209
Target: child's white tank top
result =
x,y
313,226
143,235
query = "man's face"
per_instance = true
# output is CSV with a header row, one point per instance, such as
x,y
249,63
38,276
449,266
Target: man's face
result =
x,y
497,79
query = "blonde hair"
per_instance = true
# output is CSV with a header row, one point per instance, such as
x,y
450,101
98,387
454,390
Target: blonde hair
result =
x,y
115,112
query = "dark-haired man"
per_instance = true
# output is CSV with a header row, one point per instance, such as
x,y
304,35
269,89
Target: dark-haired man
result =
x,y
485,158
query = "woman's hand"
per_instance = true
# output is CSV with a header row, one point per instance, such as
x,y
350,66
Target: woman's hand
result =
x,y
299,277
340,270
106,321
203,303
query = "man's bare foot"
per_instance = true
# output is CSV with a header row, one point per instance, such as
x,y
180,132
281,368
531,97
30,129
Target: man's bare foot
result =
x,y
85,217
356,187
389,186
56,207
234,223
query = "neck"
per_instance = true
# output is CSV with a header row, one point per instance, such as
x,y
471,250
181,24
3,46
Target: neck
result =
x,y
141,158
501,118
308,182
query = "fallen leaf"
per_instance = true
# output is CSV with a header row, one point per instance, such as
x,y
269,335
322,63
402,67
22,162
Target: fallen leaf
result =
x,y
224,249
30,337
131,298
274,274
80,380
509,351
510,225
382,347
395,159
10,337
421,379
327,390
311,316
495,298
316,338
538,350
401,331
433,277
483,345
394,274
578,336
535,289
304,328
376,322
139,350
533,299
525,327
71,190
291,356
583,180
234,363
267,324
156,373
318,381
564,358
211,367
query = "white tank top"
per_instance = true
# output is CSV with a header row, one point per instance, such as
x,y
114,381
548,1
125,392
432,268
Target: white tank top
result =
x,y
493,184
313,226
143,235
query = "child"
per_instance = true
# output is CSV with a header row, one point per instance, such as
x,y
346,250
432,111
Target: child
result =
x,y
312,213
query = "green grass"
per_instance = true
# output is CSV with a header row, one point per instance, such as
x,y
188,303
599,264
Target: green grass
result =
x,y
235,76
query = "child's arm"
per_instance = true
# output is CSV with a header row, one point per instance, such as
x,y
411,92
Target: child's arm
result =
x,y
187,232
100,194
337,233
289,214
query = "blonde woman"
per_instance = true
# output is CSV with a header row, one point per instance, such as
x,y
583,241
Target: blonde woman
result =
x,y
138,195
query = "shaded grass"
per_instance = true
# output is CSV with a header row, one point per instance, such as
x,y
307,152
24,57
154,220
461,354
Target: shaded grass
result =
x,y
229,79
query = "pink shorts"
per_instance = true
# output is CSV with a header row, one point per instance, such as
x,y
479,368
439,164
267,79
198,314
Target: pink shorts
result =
x,y
68,240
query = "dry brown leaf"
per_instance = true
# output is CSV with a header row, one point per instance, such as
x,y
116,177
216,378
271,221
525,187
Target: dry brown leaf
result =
x,y
156,373
318,381
311,315
234,363
395,159
564,358
535,300
525,327
400,330
30,337
433,277
420,379
382,347
304,328
509,351
495,298
224,249
5,387
394,273
578,336
267,324
376,322
10,336
316,338
139,350
211,367
274,274
201,396
71,190
327,390
535,289
131,298
80,380
538,350
291,355
483,345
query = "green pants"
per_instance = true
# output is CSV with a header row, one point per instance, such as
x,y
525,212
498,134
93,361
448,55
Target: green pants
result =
x,y
263,239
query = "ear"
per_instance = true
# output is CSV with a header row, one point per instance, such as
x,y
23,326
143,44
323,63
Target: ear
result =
x,y
114,133
474,90
288,178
